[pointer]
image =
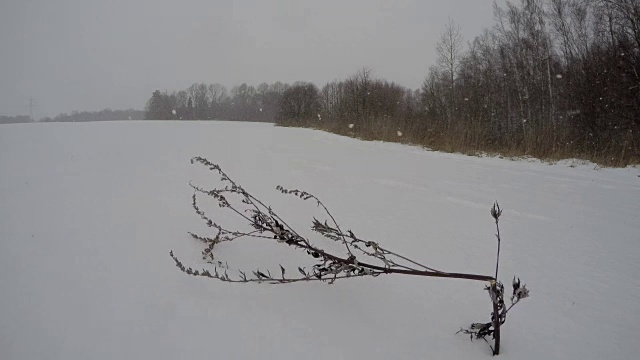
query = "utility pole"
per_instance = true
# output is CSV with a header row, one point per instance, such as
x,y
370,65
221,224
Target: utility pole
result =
x,y
31,106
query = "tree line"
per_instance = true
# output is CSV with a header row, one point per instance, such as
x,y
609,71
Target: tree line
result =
x,y
102,115
215,102
551,79
82,116
18,119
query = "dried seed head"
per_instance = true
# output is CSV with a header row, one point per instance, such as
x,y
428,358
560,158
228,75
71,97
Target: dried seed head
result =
x,y
496,211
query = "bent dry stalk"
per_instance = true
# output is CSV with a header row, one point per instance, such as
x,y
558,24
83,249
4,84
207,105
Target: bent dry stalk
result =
x,y
362,257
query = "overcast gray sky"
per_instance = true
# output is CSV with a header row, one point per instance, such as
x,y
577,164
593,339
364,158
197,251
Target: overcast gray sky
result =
x,y
89,55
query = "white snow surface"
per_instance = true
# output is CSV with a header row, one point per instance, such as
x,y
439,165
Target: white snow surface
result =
x,y
89,212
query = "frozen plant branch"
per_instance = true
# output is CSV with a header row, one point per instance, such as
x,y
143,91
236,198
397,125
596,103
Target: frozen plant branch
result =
x,y
362,257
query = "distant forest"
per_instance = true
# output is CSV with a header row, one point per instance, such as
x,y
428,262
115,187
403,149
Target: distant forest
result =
x,y
215,102
102,115
551,79
14,119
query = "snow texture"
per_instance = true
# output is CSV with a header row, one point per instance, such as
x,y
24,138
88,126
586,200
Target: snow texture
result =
x,y
89,212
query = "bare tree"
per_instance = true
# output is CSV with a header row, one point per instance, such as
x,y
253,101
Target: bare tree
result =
x,y
216,92
625,17
449,50
300,104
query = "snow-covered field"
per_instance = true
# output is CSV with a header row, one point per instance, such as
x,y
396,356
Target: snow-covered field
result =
x,y
89,212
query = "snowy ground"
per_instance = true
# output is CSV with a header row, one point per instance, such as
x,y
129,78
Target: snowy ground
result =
x,y
89,212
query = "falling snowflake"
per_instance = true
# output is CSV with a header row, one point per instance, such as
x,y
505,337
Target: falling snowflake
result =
x,y
559,76
173,111
399,133
351,126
